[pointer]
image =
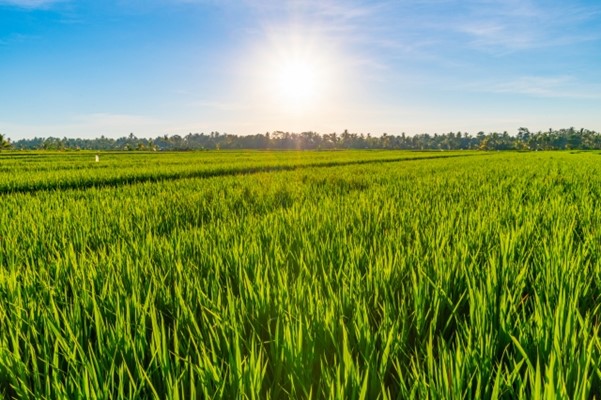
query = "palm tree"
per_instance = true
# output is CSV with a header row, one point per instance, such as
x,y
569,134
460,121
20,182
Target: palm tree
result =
x,y
4,142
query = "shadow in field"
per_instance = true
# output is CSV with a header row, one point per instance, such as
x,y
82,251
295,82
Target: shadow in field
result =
x,y
142,178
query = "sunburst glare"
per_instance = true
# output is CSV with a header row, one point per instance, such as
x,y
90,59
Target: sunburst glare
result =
x,y
298,84
297,78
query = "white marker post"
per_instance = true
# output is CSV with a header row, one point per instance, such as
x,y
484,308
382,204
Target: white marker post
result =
x,y
97,158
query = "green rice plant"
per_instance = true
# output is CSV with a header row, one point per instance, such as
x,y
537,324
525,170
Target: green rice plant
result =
x,y
300,275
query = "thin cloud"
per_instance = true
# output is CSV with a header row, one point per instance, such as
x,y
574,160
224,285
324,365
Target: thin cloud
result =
x,y
16,38
567,87
30,4
113,120
349,19
88,125
536,86
510,26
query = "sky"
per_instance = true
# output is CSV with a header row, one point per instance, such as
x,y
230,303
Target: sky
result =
x,y
86,68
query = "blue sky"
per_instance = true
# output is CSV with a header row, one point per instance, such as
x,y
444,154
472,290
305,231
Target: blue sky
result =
x,y
85,68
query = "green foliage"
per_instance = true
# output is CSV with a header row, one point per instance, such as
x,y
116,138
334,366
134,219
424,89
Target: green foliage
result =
x,y
4,142
561,139
300,275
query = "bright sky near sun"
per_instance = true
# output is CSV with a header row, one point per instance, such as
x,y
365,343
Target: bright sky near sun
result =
x,y
85,68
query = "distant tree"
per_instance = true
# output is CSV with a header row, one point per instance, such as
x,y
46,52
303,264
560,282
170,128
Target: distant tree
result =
x,y
561,139
4,142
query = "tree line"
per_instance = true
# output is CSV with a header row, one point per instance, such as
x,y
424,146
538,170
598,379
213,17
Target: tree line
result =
x,y
571,138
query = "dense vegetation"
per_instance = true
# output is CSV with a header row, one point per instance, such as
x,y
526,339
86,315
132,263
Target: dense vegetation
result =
x,y
300,274
571,138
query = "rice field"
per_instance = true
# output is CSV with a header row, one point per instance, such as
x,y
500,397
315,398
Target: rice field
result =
x,y
344,275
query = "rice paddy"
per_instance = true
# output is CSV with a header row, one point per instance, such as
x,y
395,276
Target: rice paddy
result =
x,y
344,274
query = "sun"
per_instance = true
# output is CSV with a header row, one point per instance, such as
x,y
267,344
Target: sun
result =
x,y
294,76
298,84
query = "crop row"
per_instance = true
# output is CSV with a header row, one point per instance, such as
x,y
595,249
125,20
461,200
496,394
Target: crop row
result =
x,y
30,172
471,277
